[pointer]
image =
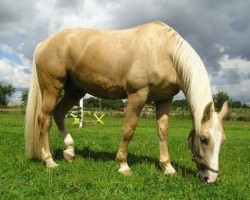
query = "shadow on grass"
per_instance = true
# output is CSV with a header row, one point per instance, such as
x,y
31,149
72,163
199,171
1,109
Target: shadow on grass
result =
x,y
183,170
133,159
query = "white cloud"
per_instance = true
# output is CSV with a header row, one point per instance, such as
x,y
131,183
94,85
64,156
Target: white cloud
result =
x,y
89,14
7,49
220,48
5,70
14,68
241,64
14,74
235,71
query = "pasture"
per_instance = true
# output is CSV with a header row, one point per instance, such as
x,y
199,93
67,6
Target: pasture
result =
x,y
93,174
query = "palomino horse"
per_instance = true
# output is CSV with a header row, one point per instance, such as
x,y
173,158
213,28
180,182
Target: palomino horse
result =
x,y
151,62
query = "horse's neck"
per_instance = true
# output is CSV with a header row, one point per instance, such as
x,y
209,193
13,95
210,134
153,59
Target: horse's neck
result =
x,y
194,80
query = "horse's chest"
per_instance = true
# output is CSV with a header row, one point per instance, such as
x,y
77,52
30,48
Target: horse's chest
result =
x,y
163,85
165,91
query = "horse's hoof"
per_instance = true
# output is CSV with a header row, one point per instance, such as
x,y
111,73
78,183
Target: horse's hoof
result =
x,y
169,173
124,169
51,164
69,155
126,172
169,170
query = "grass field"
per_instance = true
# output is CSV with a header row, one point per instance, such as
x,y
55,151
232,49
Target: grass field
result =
x,y
93,174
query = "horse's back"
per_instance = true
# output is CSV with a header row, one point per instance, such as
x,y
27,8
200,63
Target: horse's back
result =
x,y
74,43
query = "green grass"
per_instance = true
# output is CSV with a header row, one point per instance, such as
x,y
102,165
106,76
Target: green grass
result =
x,y
93,174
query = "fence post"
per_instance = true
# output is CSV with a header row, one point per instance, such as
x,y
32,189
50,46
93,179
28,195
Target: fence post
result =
x,y
81,113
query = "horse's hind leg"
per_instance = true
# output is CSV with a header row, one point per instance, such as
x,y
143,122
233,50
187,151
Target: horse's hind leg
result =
x,y
69,99
44,119
162,113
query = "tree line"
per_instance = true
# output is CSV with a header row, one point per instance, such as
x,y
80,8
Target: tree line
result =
x,y
7,91
218,98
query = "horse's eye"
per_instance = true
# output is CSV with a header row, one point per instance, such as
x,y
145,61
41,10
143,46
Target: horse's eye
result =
x,y
204,139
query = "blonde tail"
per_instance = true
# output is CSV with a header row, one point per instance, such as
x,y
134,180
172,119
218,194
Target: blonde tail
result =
x,y
33,110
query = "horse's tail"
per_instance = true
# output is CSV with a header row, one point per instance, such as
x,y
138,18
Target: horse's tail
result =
x,y
33,110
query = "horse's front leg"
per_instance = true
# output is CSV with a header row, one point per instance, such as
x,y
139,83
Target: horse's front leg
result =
x,y
135,104
162,112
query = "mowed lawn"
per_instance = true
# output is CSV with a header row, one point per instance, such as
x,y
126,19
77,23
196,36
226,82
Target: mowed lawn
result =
x,y
93,174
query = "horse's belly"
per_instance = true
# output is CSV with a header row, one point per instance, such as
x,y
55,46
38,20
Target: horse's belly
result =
x,y
102,88
107,93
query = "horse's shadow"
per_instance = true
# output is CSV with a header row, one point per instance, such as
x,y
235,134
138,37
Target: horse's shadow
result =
x,y
133,159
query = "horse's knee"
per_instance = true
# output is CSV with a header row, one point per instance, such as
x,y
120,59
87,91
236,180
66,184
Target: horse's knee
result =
x,y
162,124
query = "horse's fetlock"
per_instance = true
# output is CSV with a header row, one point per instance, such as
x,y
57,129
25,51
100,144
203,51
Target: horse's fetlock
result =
x,y
68,141
121,157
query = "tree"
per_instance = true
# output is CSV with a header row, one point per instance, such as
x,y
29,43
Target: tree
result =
x,y
220,98
236,104
94,103
6,91
112,104
24,97
91,102
180,103
244,105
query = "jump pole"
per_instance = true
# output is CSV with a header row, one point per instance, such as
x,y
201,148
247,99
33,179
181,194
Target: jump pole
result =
x,y
81,111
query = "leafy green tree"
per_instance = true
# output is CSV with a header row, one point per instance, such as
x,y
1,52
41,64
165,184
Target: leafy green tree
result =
x,y
23,98
180,103
244,105
96,103
112,104
91,102
220,98
6,91
236,104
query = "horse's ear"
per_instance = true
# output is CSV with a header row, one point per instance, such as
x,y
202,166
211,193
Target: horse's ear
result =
x,y
224,110
207,112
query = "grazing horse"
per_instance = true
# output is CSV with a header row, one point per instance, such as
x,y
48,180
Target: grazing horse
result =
x,y
150,62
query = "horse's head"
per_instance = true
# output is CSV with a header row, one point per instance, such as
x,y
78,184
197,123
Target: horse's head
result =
x,y
205,144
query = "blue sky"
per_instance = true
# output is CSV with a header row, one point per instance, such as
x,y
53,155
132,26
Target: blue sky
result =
x,y
218,30
9,56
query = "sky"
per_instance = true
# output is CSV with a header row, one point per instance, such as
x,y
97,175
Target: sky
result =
x,y
218,30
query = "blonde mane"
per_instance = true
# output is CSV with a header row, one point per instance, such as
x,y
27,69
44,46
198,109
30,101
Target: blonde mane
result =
x,y
193,78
